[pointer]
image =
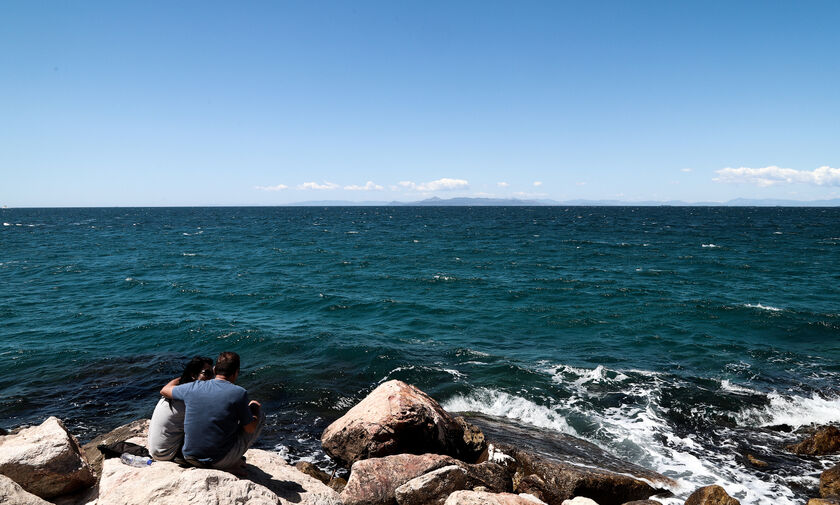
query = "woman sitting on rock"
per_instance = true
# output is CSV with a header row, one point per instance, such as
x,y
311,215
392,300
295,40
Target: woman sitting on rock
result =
x,y
166,430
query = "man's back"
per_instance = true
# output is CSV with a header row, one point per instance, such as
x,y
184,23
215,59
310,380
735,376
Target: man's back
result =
x,y
215,410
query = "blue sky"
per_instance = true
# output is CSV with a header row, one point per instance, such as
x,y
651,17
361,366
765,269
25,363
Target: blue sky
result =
x,y
262,103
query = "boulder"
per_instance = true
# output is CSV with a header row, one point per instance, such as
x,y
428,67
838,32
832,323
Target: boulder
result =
x,y
643,502
711,495
533,485
435,486
398,418
830,483
45,460
580,500
485,498
134,429
375,481
12,494
268,480
825,441
564,481
824,501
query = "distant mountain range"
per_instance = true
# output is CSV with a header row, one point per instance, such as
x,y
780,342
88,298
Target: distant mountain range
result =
x,y
514,202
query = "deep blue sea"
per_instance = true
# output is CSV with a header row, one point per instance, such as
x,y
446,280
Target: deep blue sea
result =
x,y
676,337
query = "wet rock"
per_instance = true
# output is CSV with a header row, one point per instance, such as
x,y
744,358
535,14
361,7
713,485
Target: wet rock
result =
x,y
532,485
643,502
398,418
824,501
757,463
560,447
830,483
564,481
711,495
485,498
375,481
13,494
337,484
825,441
313,471
268,480
435,486
45,460
134,429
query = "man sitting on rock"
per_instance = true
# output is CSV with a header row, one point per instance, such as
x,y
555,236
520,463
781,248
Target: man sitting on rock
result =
x,y
220,424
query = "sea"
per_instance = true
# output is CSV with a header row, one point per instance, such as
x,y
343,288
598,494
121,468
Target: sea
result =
x,y
678,338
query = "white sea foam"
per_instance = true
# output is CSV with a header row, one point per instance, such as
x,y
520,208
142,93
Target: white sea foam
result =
x,y
7,224
711,246
762,307
501,404
188,254
794,411
728,386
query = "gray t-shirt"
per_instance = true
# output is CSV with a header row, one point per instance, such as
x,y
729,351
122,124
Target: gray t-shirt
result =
x,y
166,429
215,411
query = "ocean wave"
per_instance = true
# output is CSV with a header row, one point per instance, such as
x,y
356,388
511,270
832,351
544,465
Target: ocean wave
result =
x,y
762,307
501,404
791,410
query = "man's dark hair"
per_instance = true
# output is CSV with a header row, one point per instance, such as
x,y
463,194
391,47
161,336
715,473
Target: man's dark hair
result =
x,y
193,368
227,364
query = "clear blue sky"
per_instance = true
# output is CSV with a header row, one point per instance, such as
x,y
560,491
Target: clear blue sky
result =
x,y
260,103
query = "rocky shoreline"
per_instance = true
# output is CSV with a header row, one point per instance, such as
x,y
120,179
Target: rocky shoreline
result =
x,y
401,448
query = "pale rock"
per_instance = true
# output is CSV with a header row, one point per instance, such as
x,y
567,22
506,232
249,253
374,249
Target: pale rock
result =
x,y
398,418
45,460
134,432
485,498
580,500
12,494
375,481
711,495
268,480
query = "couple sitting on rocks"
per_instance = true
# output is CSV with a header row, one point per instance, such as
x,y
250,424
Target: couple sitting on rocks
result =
x,y
204,418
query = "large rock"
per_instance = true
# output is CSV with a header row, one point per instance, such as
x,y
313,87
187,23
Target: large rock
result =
x,y
435,486
45,460
268,480
132,430
485,498
643,502
824,501
398,418
825,441
375,481
12,494
830,483
564,481
711,495
580,500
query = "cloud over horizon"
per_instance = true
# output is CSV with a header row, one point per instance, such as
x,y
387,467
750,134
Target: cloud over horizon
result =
x,y
315,185
445,184
369,186
278,187
769,176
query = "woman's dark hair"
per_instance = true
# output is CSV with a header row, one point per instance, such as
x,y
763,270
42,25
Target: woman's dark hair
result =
x,y
194,367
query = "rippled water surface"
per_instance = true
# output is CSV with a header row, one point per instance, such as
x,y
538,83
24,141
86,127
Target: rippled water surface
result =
x,y
680,338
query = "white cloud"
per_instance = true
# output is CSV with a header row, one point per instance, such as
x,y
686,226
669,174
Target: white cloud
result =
x,y
278,187
444,184
685,170
315,185
537,184
768,176
502,184
369,186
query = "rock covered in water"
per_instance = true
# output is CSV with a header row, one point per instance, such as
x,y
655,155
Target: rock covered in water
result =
x,y
711,495
13,494
45,460
335,483
564,481
825,441
830,483
398,418
435,486
485,498
268,480
375,481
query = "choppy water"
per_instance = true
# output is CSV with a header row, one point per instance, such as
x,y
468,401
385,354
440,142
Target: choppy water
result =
x,y
674,337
